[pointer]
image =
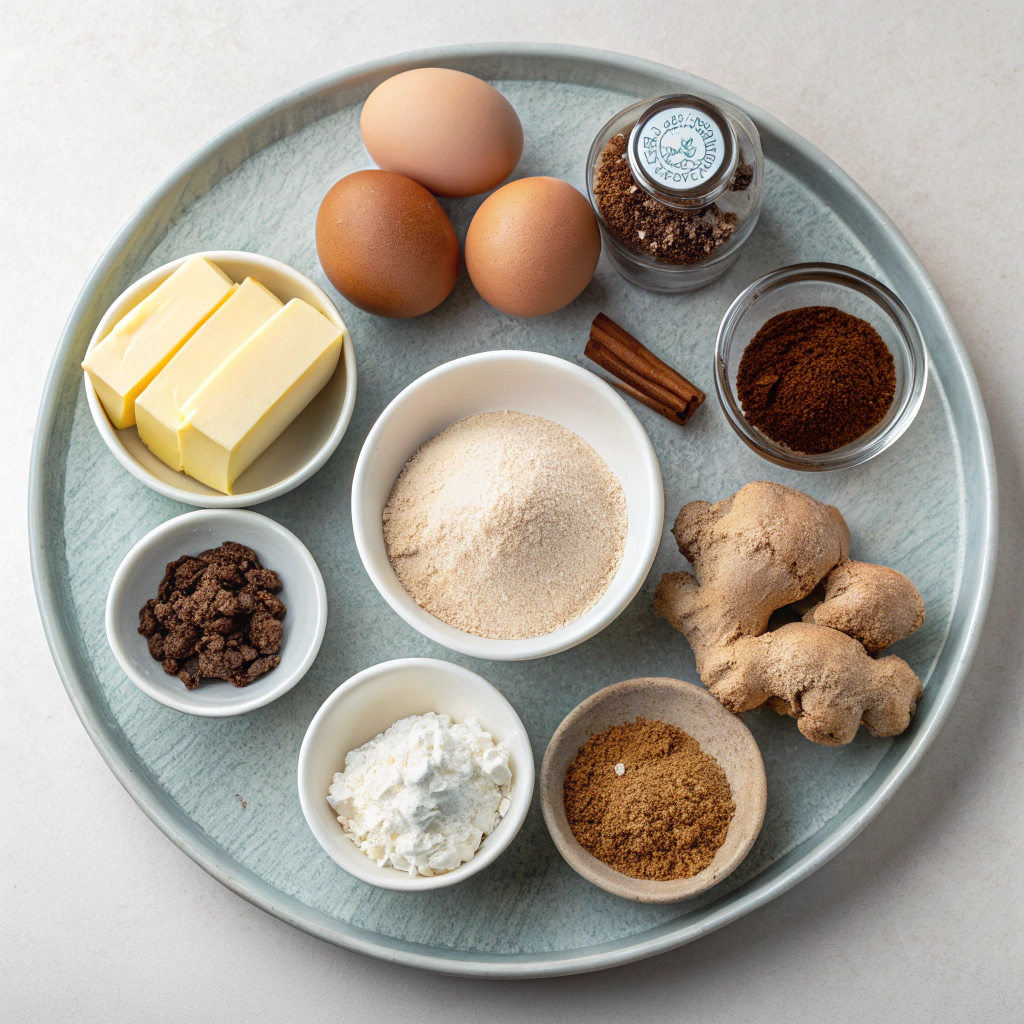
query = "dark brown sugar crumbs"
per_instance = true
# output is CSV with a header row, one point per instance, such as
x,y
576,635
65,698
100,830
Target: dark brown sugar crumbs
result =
x,y
815,379
216,616
643,224
664,817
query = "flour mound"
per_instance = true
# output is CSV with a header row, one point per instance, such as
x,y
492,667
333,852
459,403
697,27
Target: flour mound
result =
x,y
506,526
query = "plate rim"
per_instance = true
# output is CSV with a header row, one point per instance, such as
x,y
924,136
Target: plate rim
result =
x,y
68,659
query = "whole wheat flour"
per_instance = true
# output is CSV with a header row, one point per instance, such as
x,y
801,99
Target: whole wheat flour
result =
x,y
506,525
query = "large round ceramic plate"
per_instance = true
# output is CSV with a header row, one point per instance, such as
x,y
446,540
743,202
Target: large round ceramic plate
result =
x,y
926,506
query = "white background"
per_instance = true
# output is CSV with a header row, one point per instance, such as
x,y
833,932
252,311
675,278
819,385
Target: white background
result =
x,y
920,919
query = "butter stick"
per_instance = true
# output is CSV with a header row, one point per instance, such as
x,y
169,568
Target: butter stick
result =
x,y
158,409
246,404
144,339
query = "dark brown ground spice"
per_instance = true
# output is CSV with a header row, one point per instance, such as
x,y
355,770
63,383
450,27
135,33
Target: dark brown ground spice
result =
x,y
643,224
815,379
216,616
664,817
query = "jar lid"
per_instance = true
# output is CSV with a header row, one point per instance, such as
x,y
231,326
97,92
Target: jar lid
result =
x,y
683,151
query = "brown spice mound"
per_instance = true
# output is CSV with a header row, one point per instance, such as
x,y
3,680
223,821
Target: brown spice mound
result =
x,y
815,379
647,226
216,616
664,817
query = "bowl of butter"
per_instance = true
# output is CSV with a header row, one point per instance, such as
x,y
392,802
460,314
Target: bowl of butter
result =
x,y
222,379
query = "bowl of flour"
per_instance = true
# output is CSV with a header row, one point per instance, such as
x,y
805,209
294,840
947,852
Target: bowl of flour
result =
x,y
415,774
508,505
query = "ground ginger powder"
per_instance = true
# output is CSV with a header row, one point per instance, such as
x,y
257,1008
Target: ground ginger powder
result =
x,y
645,799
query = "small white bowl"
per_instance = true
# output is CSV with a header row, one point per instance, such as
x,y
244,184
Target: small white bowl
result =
x,y
529,382
369,703
139,575
307,443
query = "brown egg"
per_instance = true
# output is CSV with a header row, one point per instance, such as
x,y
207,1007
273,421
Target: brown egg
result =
x,y
385,243
453,133
533,246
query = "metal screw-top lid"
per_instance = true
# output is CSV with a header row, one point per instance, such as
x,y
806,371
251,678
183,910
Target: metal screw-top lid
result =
x,y
683,151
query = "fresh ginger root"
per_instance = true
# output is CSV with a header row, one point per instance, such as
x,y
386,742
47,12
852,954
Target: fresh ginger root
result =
x,y
769,546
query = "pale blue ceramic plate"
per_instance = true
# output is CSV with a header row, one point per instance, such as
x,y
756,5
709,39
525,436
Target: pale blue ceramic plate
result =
x,y
926,506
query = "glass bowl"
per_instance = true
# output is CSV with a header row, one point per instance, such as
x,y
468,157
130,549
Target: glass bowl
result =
x,y
657,275
823,284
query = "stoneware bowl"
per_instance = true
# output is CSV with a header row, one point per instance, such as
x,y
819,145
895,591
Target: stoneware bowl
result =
x,y
139,575
529,382
307,443
720,734
367,704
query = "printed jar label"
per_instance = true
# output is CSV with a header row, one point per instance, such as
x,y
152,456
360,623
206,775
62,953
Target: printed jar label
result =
x,y
681,147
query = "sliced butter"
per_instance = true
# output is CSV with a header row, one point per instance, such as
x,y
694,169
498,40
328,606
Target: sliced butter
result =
x,y
158,408
242,409
144,339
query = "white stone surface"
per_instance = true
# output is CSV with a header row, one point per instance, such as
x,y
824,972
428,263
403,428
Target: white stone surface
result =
x,y
920,919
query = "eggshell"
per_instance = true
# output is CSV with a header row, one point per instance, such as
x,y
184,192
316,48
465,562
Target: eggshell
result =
x,y
453,133
385,243
533,246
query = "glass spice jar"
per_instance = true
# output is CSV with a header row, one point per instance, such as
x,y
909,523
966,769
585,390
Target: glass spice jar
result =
x,y
676,182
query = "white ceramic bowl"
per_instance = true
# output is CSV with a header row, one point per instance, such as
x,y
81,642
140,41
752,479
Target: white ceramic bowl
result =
x,y
528,382
139,575
297,454
370,702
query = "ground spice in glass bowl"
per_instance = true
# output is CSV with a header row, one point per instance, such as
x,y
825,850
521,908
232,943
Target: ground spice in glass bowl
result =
x,y
815,379
646,799
838,373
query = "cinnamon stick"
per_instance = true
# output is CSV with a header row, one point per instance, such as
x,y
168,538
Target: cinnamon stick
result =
x,y
642,373
652,403
611,362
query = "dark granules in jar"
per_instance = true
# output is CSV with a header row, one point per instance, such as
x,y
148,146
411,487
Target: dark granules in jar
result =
x,y
664,817
815,379
643,224
216,616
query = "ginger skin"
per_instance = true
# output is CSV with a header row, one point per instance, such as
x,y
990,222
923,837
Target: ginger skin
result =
x,y
769,546
871,603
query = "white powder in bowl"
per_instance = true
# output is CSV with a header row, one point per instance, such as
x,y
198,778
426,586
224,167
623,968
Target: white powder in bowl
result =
x,y
506,526
422,795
